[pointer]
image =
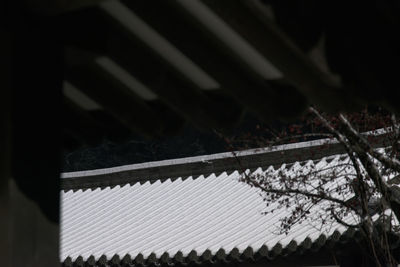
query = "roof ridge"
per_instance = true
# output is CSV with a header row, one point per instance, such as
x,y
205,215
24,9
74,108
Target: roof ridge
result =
x,y
201,158
208,164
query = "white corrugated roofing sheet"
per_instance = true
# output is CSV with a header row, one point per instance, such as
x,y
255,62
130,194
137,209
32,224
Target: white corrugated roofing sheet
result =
x,y
184,215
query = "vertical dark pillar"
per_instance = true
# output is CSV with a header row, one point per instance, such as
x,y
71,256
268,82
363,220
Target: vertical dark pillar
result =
x,y
37,104
5,134
30,138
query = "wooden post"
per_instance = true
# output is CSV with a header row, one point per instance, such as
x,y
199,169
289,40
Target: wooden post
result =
x,y
30,80
34,238
5,133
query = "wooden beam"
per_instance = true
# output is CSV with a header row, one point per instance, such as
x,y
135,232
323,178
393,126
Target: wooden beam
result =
x,y
174,90
81,124
85,127
56,7
247,19
115,98
236,78
128,105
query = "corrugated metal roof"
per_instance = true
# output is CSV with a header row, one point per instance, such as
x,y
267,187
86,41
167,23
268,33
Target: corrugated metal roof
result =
x,y
183,218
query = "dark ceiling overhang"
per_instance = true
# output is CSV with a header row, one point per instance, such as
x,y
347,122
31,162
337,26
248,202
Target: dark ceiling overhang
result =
x,y
150,70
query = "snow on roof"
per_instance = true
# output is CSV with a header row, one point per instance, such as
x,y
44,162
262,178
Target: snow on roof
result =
x,y
188,217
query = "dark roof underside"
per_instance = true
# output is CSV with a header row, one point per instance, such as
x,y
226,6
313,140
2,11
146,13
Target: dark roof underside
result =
x,y
311,44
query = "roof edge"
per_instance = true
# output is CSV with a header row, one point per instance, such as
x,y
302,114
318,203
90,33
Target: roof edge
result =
x,y
207,164
202,158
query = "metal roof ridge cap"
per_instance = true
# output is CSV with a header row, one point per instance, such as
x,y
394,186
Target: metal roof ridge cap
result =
x,y
207,158
202,158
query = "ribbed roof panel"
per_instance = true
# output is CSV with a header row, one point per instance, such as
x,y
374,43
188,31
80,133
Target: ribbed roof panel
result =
x,y
184,215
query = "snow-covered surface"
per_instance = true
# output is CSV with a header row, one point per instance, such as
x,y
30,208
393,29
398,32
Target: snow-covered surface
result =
x,y
195,213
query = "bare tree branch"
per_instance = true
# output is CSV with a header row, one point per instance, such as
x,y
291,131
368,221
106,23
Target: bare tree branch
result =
x,y
334,183
350,152
396,138
343,222
358,139
288,191
363,148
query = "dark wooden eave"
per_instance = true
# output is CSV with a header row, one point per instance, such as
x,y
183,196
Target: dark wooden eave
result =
x,y
88,25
